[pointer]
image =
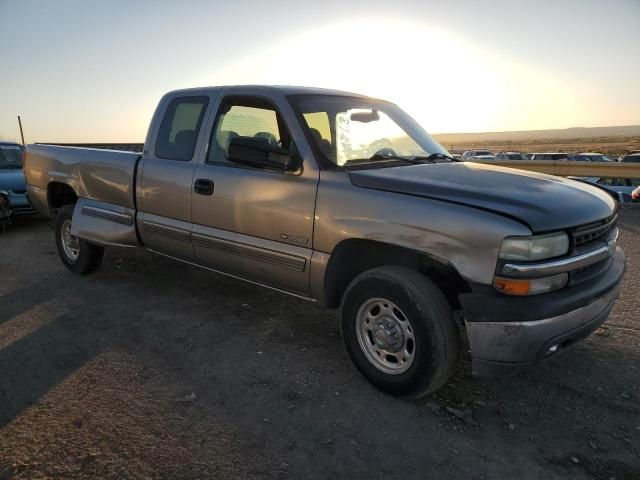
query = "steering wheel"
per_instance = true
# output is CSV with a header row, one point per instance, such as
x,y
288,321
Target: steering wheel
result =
x,y
386,151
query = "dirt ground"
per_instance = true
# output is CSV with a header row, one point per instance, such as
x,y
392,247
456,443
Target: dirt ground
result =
x,y
154,369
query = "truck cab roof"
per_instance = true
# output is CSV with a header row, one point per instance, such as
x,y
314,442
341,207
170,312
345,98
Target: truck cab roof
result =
x,y
282,89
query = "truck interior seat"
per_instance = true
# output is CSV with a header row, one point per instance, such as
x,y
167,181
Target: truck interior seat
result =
x,y
185,143
323,145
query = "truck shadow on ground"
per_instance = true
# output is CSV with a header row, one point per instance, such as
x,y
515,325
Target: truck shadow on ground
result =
x,y
231,357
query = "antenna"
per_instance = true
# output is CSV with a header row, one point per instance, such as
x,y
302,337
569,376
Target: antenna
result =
x,y
21,132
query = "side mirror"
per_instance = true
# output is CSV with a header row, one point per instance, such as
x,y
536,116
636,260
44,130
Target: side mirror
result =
x,y
258,153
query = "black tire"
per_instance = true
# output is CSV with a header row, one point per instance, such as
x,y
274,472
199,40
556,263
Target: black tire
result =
x,y
89,255
435,351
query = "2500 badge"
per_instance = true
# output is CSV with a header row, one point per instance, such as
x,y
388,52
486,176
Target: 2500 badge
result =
x,y
294,238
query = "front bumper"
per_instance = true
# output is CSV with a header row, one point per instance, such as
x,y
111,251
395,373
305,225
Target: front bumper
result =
x,y
501,345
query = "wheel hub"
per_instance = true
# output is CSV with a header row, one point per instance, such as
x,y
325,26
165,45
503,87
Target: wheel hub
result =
x,y
387,335
70,243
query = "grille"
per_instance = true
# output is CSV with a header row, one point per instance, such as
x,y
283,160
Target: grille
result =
x,y
594,231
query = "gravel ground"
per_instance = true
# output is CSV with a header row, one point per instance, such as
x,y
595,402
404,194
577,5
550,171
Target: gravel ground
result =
x,y
154,369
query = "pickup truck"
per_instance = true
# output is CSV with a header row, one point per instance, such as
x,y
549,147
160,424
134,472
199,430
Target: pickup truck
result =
x,y
345,200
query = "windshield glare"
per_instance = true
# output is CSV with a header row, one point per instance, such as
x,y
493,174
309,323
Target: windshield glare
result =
x,y
352,130
10,156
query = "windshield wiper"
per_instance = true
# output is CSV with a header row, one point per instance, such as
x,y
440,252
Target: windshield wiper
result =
x,y
416,159
437,156
387,156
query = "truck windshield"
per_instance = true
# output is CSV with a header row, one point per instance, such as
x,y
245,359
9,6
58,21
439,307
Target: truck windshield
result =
x,y
361,131
10,156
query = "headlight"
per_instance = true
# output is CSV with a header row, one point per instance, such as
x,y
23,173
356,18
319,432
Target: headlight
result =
x,y
534,248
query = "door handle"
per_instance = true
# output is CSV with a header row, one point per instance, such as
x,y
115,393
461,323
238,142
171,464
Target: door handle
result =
x,y
203,186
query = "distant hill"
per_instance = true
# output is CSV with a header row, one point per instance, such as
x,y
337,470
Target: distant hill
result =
x,y
557,134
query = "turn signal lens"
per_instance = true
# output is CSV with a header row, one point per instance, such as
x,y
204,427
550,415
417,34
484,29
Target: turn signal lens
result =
x,y
512,286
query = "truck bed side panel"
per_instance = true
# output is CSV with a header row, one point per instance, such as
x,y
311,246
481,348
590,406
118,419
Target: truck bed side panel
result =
x,y
100,175
103,181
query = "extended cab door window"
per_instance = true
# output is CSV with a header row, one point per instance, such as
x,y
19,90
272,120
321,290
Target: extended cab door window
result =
x,y
164,198
179,129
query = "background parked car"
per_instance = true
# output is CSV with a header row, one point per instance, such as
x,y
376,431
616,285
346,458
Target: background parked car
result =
x,y
5,212
630,158
591,157
621,187
12,178
549,156
484,154
510,156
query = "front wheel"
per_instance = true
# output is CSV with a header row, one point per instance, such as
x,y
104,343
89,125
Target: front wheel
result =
x,y
399,331
77,254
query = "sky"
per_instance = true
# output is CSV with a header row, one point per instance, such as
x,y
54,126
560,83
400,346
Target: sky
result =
x,y
93,71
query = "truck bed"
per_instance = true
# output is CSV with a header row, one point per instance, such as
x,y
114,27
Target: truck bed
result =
x,y
102,175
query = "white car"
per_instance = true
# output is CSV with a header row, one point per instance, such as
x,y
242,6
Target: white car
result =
x,y
510,156
471,155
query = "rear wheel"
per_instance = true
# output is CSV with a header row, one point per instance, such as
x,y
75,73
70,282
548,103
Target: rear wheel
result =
x,y
399,331
77,254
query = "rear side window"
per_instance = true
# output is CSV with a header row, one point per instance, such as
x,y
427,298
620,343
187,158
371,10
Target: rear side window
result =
x,y
179,128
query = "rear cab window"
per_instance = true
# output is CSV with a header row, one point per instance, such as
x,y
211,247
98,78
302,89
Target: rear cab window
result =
x,y
178,132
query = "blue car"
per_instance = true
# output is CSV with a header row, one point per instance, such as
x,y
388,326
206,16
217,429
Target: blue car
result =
x,y
12,182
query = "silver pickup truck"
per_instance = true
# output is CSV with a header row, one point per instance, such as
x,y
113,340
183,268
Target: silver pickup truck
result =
x,y
345,200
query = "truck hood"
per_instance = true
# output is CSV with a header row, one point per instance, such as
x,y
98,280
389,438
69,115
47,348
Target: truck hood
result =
x,y
543,202
12,179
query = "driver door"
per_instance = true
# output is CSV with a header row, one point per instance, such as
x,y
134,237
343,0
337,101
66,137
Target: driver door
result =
x,y
256,223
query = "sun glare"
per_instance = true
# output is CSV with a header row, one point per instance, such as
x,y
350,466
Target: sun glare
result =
x,y
444,80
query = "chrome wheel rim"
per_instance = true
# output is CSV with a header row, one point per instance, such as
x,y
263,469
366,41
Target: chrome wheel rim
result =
x,y
70,244
386,336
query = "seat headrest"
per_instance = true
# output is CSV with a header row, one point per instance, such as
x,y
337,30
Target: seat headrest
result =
x,y
270,137
185,137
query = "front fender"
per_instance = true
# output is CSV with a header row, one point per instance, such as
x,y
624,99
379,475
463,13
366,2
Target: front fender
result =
x,y
464,237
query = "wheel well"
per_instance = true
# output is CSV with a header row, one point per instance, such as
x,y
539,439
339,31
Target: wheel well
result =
x,y
59,195
352,257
